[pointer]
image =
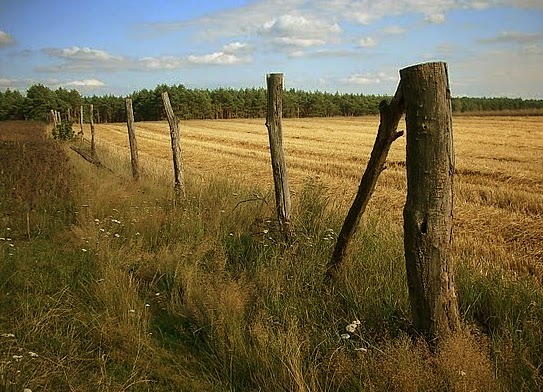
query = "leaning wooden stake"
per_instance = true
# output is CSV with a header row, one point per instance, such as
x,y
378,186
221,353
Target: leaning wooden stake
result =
x,y
91,116
275,133
132,140
428,212
179,185
390,114
59,118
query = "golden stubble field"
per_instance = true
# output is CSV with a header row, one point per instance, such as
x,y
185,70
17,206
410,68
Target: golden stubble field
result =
x,y
498,185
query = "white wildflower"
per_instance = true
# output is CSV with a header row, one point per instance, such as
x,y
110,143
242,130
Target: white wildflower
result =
x,y
462,373
131,311
33,354
351,328
84,250
345,336
8,335
117,235
17,357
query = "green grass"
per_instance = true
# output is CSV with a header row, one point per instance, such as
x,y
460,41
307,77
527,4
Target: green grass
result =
x,y
206,296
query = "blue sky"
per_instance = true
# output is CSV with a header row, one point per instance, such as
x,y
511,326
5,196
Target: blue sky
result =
x,y
492,47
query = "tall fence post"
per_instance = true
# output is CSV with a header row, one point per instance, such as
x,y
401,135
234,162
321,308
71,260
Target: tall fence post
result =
x,y
91,116
179,184
132,140
275,132
428,211
54,118
81,122
59,118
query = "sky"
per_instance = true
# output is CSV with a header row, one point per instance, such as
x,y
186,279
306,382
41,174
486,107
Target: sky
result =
x,y
492,47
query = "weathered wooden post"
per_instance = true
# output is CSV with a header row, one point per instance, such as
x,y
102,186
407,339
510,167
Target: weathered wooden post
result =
x,y
275,133
91,117
428,213
179,184
54,118
81,122
132,140
69,114
59,118
390,114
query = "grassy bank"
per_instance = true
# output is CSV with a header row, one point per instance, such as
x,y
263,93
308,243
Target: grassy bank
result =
x,y
105,286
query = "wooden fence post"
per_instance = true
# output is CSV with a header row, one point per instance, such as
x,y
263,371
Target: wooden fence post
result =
x,y
81,121
91,116
390,114
54,118
59,118
275,132
428,209
132,140
179,184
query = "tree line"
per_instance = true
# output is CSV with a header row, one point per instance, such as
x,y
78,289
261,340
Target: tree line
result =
x,y
220,103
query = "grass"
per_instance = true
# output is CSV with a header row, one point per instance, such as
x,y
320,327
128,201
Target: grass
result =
x,y
123,291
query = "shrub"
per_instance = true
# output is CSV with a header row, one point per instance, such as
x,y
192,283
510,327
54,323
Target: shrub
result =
x,y
64,131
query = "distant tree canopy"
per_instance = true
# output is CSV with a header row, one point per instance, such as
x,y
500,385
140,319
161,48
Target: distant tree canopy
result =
x,y
221,103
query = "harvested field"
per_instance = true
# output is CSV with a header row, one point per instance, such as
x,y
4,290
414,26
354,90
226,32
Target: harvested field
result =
x,y
499,183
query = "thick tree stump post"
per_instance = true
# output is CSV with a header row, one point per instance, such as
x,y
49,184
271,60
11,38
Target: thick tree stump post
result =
x,y
91,116
179,185
132,140
275,132
390,114
428,213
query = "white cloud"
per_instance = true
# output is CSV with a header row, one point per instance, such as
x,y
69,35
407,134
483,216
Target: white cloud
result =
x,y
85,83
218,58
235,47
435,18
369,78
290,31
164,62
367,42
82,53
5,39
512,36
230,54
298,41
